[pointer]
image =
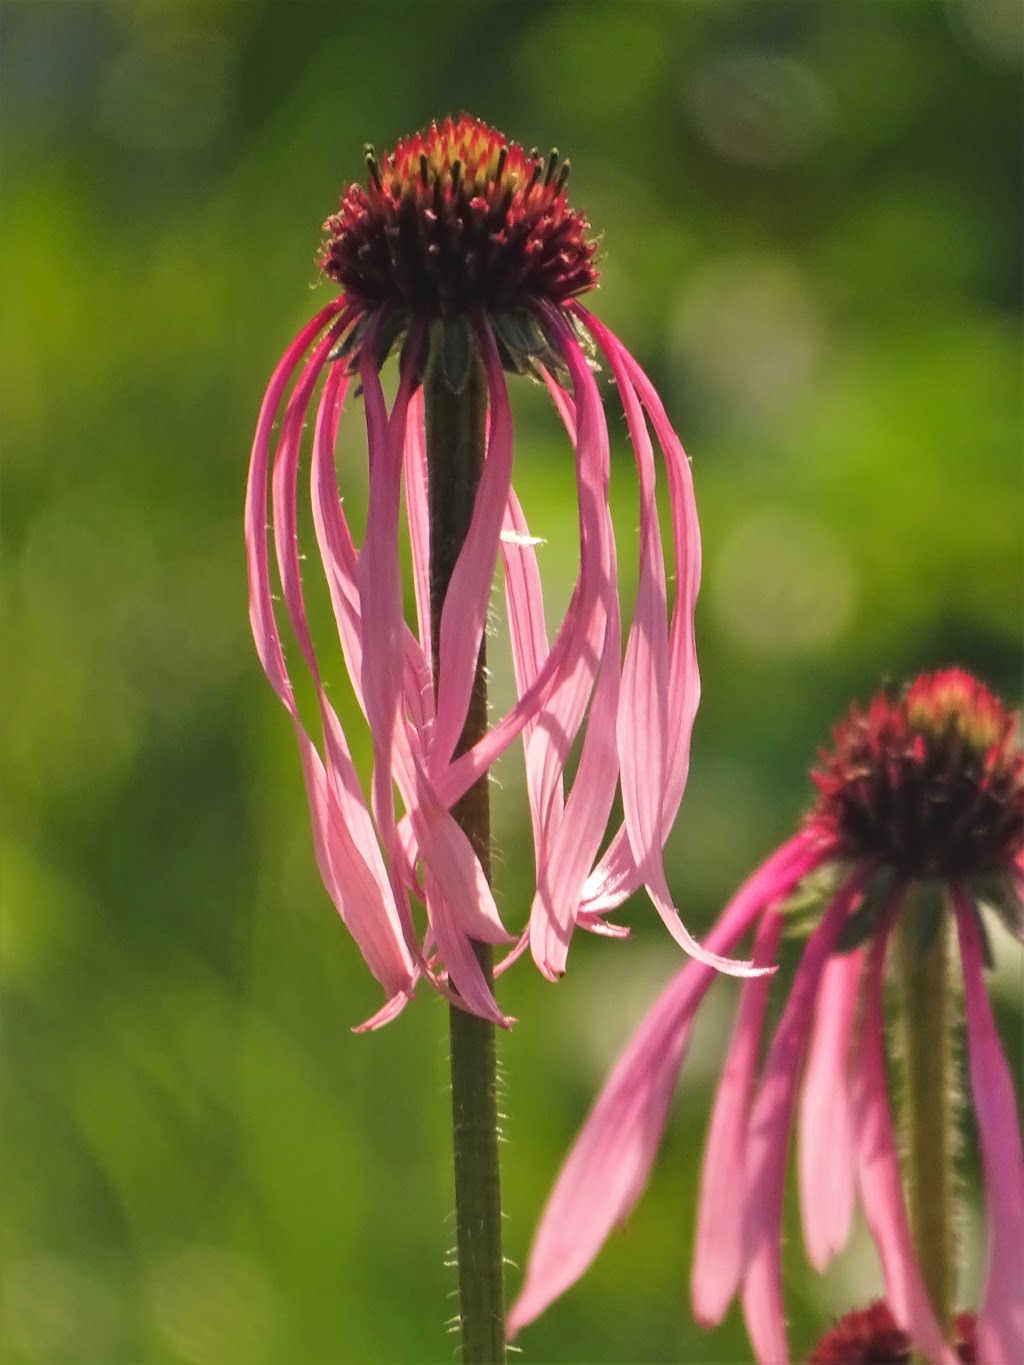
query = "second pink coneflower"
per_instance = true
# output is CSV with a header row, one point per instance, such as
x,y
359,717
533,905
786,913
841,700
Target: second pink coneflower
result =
x,y
918,826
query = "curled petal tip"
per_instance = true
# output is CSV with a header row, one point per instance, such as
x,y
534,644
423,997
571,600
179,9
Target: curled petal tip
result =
x,y
391,1010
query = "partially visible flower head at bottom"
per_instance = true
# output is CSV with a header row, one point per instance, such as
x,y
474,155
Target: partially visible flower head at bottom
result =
x,y
920,809
462,253
872,1336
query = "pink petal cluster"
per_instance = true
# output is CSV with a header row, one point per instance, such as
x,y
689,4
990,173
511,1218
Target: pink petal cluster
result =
x,y
825,1070
631,708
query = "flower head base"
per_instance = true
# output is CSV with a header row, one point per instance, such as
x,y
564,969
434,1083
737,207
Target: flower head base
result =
x,y
872,1336
937,764
929,784
458,220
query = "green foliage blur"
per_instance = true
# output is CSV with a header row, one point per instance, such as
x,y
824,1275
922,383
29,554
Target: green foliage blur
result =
x,y
810,236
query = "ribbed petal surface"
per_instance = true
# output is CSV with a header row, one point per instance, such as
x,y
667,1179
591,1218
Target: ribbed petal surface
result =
x,y
568,855
524,598
660,681
825,1142
464,615
418,513
348,856
556,683
459,900
718,1247
618,874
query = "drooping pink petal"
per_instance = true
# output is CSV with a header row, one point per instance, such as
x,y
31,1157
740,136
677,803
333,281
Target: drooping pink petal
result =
x,y
353,875
564,680
825,1143
559,681
418,515
380,586
464,614
1001,1314
459,900
574,845
606,1170
447,922
340,561
340,769
466,908
596,924
524,599
341,567
643,721
768,1137
879,1178
561,687
284,480
618,875
660,680
447,854
718,1247
356,881
261,601
342,780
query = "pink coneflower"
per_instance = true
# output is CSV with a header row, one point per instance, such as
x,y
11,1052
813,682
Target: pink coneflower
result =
x,y
918,823
462,255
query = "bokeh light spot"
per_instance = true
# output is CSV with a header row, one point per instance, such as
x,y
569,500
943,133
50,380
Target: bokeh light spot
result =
x,y
171,89
750,333
54,1310
214,1307
782,585
761,108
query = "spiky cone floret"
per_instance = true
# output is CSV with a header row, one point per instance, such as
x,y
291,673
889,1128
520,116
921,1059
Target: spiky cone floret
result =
x,y
947,737
508,303
458,220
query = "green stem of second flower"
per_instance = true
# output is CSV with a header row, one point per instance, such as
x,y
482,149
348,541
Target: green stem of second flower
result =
x,y
456,436
927,1011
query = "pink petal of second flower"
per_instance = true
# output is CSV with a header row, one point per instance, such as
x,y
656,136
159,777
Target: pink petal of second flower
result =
x,y
606,1170
1001,1315
825,1146
718,1248
769,1138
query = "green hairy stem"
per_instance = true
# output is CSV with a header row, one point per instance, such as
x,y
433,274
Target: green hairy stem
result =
x,y
456,433
927,1015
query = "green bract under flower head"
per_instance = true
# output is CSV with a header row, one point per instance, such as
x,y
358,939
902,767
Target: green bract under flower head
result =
x,y
929,784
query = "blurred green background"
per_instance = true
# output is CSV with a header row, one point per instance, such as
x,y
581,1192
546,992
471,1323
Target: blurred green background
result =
x,y
810,236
